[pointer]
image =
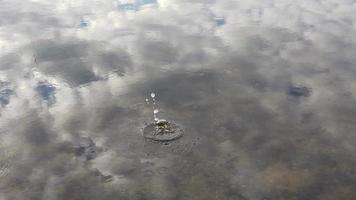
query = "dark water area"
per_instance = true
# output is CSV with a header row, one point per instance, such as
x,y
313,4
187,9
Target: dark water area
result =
x,y
258,96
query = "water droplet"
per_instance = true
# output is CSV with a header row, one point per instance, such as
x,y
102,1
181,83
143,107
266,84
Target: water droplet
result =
x,y
161,130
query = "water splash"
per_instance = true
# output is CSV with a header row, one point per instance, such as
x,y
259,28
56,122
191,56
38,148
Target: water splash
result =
x,y
155,110
161,129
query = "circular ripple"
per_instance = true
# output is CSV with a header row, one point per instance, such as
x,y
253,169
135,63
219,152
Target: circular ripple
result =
x,y
7,155
4,168
162,132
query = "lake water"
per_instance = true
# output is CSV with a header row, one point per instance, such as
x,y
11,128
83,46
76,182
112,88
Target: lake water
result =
x,y
260,94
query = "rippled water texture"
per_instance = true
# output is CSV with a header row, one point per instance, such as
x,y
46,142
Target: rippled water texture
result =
x,y
259,96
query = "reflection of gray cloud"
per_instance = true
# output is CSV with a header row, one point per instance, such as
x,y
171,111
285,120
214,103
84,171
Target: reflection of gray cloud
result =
x,y
158,52
46,51
63,59
76,61
8,61
118,61
298,91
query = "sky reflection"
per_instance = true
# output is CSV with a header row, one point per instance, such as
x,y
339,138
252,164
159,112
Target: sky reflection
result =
x,y
263,90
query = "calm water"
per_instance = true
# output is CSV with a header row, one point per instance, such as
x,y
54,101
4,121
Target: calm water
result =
x,y
263,90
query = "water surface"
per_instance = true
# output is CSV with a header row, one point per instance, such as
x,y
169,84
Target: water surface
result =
x,y
263,90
